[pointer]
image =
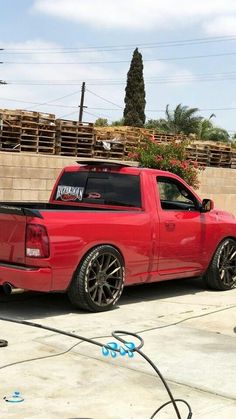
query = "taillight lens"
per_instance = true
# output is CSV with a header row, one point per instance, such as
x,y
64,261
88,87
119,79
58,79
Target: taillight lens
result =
x,y
37,241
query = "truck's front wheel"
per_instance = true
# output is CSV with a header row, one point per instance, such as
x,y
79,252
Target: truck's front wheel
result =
x,y
98,282
221,274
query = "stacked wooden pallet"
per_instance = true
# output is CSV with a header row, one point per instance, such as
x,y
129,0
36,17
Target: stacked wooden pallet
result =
x,y
109,144
233,159
210,153
198,152
219,154
74,138
39,132
117,142
129,137
27,131
10,130
167,138
46,133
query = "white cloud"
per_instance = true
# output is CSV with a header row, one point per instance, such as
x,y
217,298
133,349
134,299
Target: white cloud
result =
x,y
223,25
31,72
135,14
155,68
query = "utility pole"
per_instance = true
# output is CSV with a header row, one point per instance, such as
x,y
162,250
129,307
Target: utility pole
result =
x,y
82,102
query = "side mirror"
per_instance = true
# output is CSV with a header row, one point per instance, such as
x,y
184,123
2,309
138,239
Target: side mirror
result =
x,y
207,205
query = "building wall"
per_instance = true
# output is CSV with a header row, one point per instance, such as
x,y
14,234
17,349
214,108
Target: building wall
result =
x,y
220,185
30,177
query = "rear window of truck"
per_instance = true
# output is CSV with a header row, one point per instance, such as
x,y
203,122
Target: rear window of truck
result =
x,y
99,188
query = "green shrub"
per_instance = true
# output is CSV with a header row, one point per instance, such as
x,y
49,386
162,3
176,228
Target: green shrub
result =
x,y
170,156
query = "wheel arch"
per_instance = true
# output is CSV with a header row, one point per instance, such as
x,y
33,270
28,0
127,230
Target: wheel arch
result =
x,y
90,250
217,247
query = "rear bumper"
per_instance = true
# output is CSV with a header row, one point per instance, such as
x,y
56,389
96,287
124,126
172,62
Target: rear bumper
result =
x,y
28,278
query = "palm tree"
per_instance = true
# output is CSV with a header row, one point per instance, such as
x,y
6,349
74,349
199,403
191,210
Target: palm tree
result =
x,y
209,132
217,134
156,124
183,120
204,127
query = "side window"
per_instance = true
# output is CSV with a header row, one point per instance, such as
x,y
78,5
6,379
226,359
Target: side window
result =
x,y
175,196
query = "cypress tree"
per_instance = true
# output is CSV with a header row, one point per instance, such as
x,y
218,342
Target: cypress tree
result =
x,y
134,112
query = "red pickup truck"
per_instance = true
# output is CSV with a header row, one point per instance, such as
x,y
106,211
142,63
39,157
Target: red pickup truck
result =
x,y
107,225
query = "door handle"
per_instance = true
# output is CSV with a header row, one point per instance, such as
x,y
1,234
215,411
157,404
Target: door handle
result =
x,y
170,225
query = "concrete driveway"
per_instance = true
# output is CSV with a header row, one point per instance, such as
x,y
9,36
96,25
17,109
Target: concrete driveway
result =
x,y
188,332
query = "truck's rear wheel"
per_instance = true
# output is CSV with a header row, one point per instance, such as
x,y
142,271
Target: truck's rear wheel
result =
x,y
221,274
98,282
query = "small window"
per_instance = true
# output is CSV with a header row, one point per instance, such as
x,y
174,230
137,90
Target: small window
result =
x,y
99,188
175,196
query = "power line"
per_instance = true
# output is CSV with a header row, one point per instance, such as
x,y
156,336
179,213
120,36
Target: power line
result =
x,y
102,98
67,114
59,50
191,57
59,98
48,103
38,103
96,116
99,80
191,78
105,109
106,116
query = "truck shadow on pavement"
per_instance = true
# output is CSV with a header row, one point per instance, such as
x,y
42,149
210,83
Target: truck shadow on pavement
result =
x,y
32,305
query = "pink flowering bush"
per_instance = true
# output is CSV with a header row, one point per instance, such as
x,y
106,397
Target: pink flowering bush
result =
x,y
170,156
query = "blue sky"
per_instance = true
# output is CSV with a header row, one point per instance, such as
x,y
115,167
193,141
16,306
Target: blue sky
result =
x,y
47,54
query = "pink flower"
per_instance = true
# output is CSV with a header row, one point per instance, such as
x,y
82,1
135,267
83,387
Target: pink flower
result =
x,y
152,139
134,156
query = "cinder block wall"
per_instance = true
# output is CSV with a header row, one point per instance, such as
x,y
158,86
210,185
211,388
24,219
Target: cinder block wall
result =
x,y
220,185
30,177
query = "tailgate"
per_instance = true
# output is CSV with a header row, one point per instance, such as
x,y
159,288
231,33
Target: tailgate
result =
x,y
12,233
12,238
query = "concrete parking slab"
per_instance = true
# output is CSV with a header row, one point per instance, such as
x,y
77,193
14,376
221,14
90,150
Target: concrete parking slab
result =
x,y
189,333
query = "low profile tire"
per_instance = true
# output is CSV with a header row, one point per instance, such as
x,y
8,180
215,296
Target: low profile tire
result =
x,y
221,274
99,280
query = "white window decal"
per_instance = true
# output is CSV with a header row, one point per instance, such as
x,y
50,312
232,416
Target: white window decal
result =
x,y
70,193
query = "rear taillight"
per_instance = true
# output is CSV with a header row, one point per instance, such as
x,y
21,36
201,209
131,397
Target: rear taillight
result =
x,y
37,241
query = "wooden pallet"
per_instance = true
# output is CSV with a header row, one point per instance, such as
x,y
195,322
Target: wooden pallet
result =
x,y
12,117
233,159
84,152
10,130
10,138
109,143
198,153
29,117
46,133
117,150
28,131
106,154
121,134
219,155
74,138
